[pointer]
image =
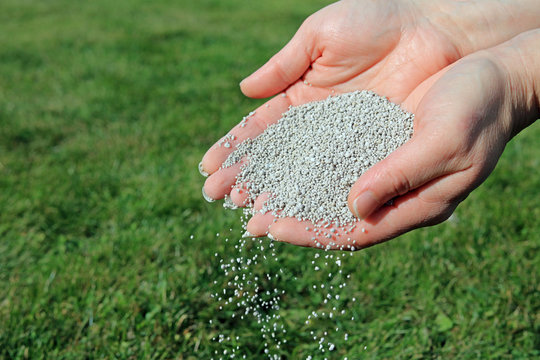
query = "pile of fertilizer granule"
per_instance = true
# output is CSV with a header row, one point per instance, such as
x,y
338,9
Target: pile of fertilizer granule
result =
x,y
311,157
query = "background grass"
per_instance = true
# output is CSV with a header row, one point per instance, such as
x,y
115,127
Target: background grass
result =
x,y
106,107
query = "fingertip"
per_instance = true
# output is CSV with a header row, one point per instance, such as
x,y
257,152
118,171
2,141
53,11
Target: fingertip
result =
x,y
242,86
202,171
206,197
259,224
209,191
260,84
220,183
282,70
261,199
210,163
239,196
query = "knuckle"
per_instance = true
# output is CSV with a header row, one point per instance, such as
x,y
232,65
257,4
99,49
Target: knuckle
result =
x,y
398,182
281,71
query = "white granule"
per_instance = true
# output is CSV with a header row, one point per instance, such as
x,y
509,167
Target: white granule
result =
x,y
311,157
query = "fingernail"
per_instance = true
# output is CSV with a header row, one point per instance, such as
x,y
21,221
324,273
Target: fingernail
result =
x,y
201,170
241,82
364,204
247,234
228,203
206,197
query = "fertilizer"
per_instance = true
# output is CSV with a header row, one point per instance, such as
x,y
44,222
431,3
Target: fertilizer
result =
x,y
311,157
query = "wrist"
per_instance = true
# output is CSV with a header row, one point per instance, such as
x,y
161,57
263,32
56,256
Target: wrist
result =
x,y
519,59
479,24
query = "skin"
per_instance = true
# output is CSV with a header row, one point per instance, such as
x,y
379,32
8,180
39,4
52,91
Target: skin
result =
x,y
470,96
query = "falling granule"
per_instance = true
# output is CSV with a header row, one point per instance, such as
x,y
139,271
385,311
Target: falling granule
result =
x,y
251,290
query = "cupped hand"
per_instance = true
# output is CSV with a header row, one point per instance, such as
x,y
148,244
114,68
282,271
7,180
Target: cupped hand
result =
x,y
455,144
465,116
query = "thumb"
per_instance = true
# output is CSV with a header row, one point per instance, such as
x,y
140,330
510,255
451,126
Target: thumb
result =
x,y
422,159
284,68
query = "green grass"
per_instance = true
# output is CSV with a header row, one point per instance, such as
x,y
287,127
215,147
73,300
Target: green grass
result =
x,y
106,107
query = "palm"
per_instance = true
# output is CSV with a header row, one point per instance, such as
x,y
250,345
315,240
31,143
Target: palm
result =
x,y
343,48
352,51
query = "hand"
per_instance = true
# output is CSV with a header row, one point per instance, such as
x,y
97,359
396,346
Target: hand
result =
x,y
405,52
467,114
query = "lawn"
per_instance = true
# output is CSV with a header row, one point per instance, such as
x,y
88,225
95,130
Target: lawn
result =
x,y
106,108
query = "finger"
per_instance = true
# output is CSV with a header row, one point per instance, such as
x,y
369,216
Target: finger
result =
x,y
351,237
284,68
415,97
324,235
221,182
259,223
251,127
239,196
429,154
305,233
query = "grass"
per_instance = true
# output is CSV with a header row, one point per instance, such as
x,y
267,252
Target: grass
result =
x,y
106,108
